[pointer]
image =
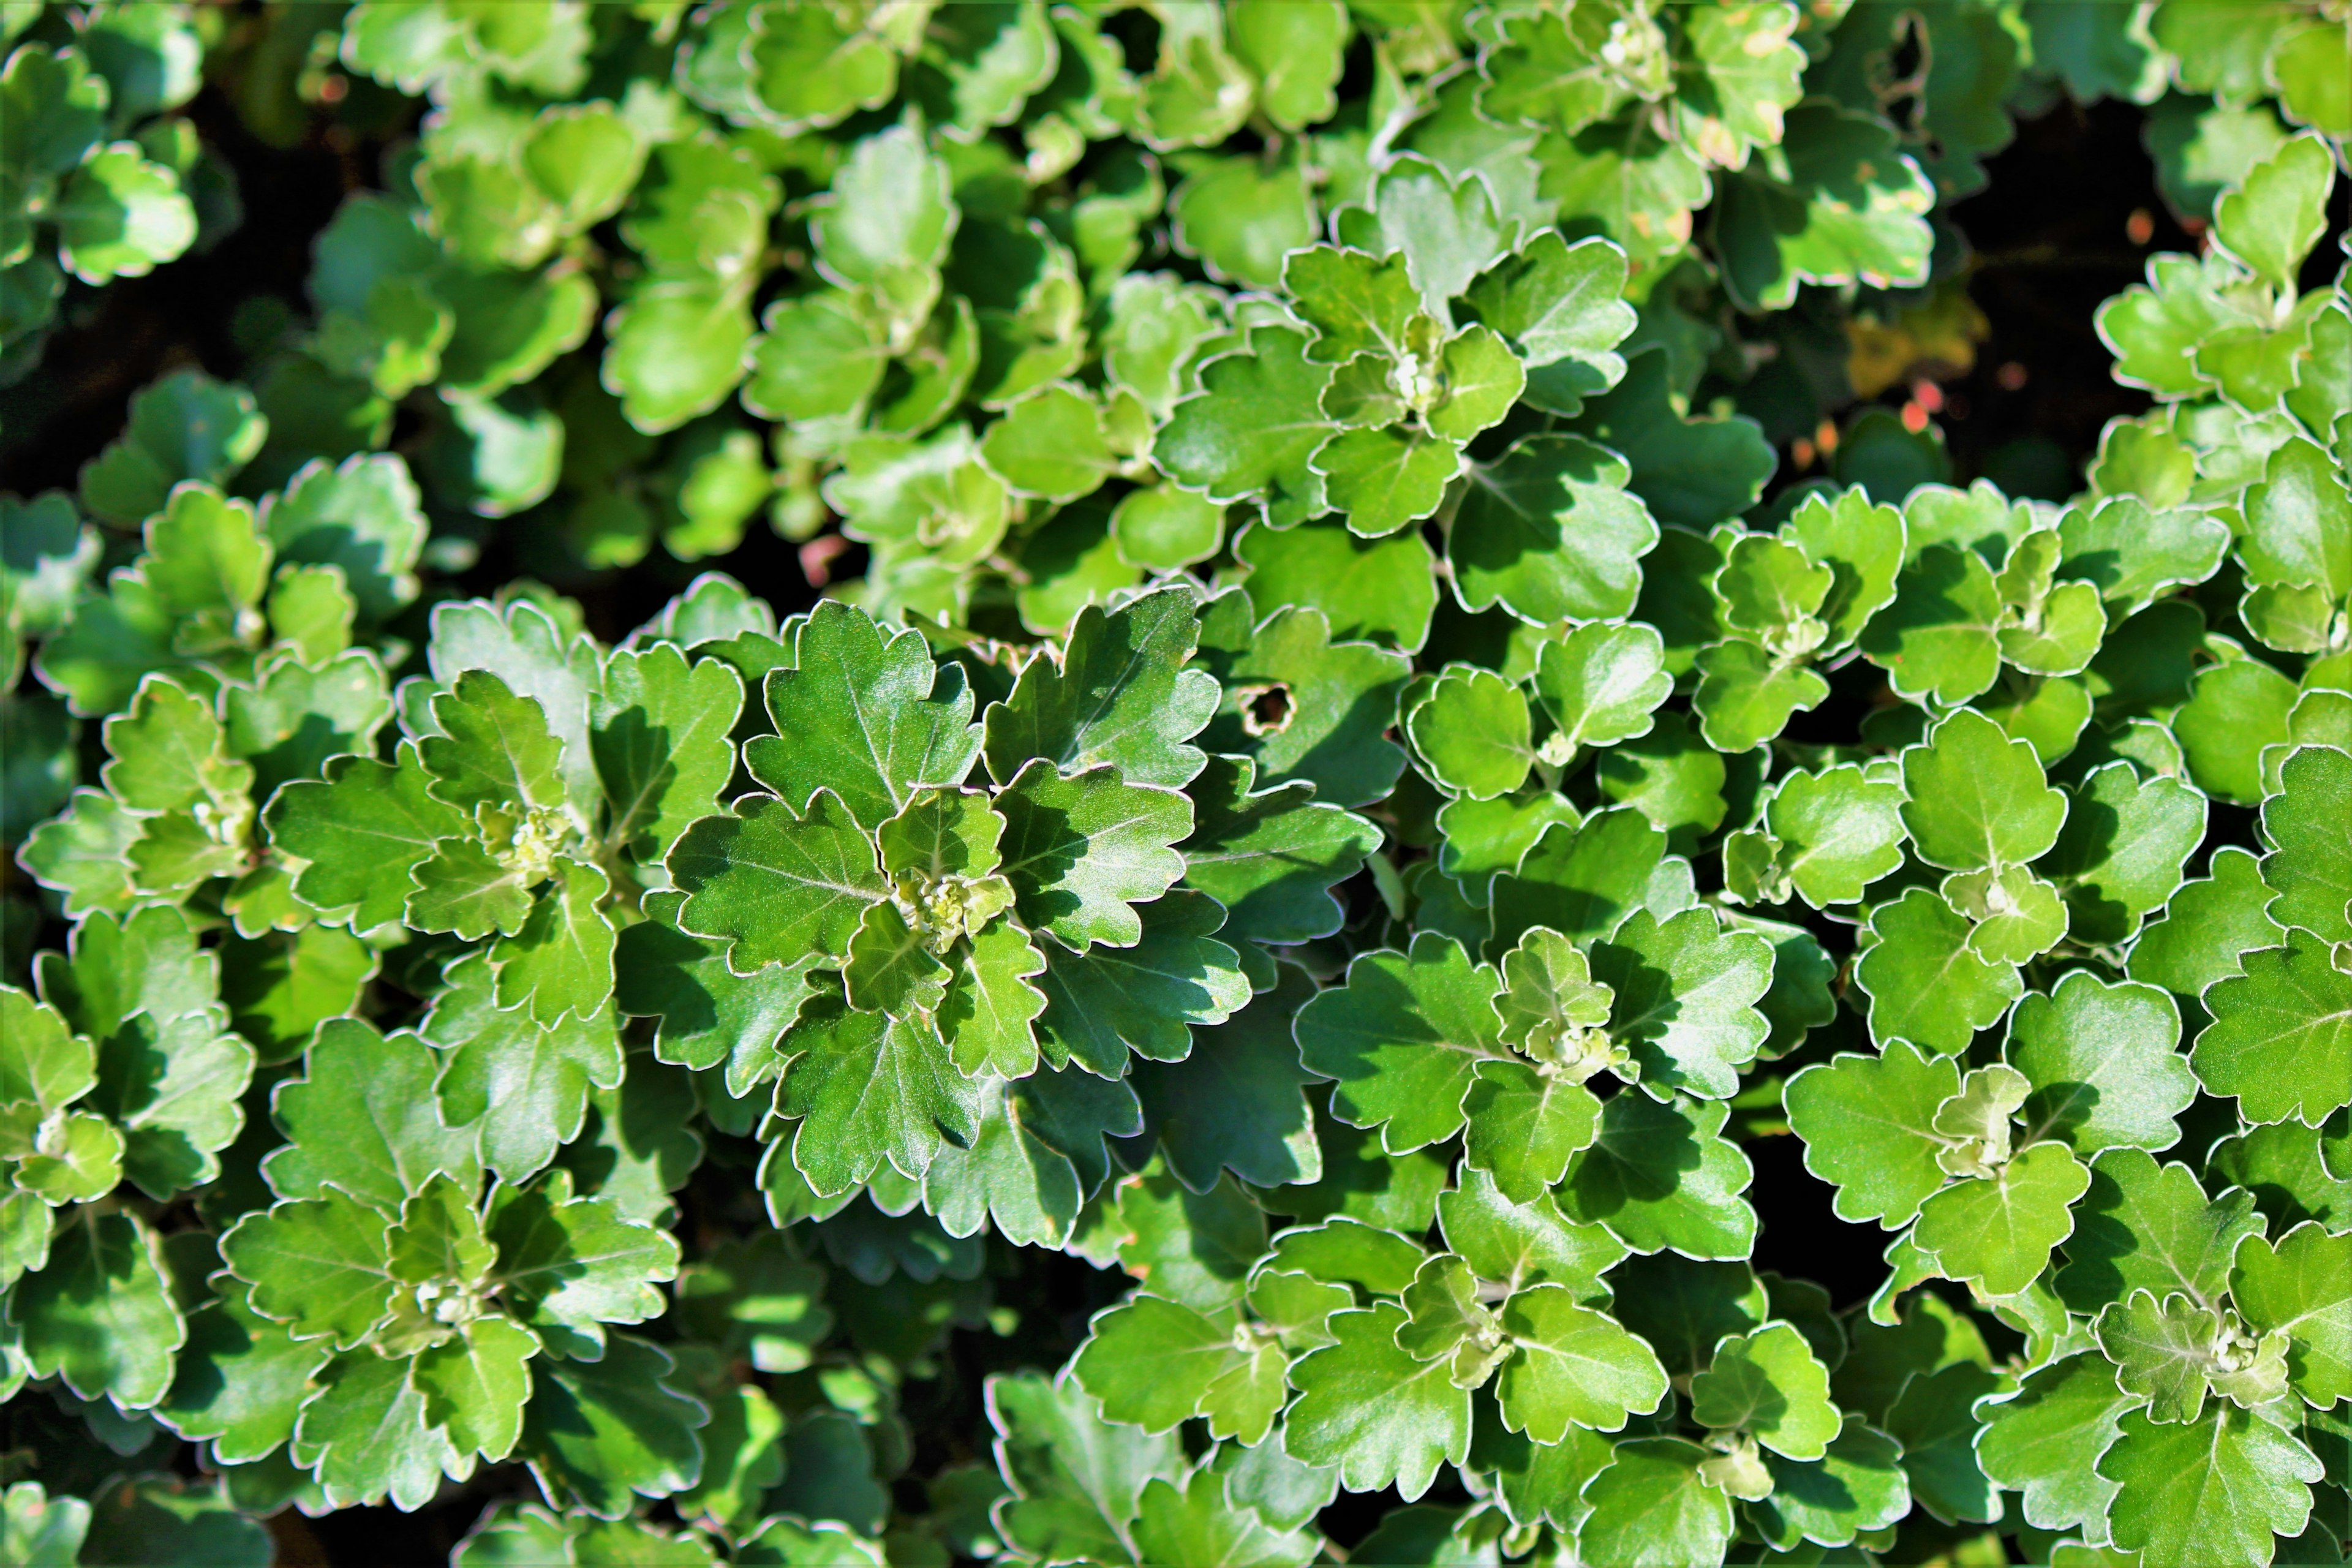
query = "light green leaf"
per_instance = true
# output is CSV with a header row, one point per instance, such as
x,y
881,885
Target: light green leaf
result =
x,y
1549,531
1768,1384
1868,1125
1661,1176
100,1317
1403,1034
1081,849
2300,1285
2001,1228
2173,1480
1369,1408
1120,692
1471,729
1652,1504
2103,1061
2281,1038
1572,1366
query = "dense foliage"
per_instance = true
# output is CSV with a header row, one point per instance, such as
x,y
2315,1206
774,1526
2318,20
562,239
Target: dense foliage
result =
x,y
1392,714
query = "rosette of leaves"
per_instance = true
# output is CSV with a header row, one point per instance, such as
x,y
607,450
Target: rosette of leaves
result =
x,y
392,1318
1424,327
536,786
992,951
98,180
221,583
1158,1504
124,1068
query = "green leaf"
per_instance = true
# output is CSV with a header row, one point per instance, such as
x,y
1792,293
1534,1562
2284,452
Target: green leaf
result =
x,y
1601,683
776,884
1685,990
1661,1176
1746,696
1550,532
121,216
2146,1227
2272,221
2209,922
2281,1038
1768,1384
363,1118
361,830
2102,1063
1839,202
1524,1243
1834,832
660,729
2233,712
2172,1480
2046,1439
1926,984
1081,849
1369,1408
1857,1485
1561,305
1525,1125
2132,554
1076,1482
561,963
100,1317
1382,480
1271,857
1445,1322
493,749
1975,798
1868,1125
1249,432
608,1430
1403,1036
1152,1362
1572,1366
1200,1524
2298,522
867,1088
1691,472
2122,849
2001,1228
527,1083
1584,881
1653,1504
475,1384
1471,729
992,1002
2309,867
2300,1285
1103,1002
42,1060
1119,693
1939,639
320,1266
2165,1353
365,1435
1356,302
184,426
1935,1419
1303,706
1193,1248
1050,444
240,1381
568,1266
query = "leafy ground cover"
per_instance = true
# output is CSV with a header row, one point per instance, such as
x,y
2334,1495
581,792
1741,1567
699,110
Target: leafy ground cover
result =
x,y
1397,782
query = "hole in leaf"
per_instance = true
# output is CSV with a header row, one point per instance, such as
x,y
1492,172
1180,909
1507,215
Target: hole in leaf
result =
x,y
1265,710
